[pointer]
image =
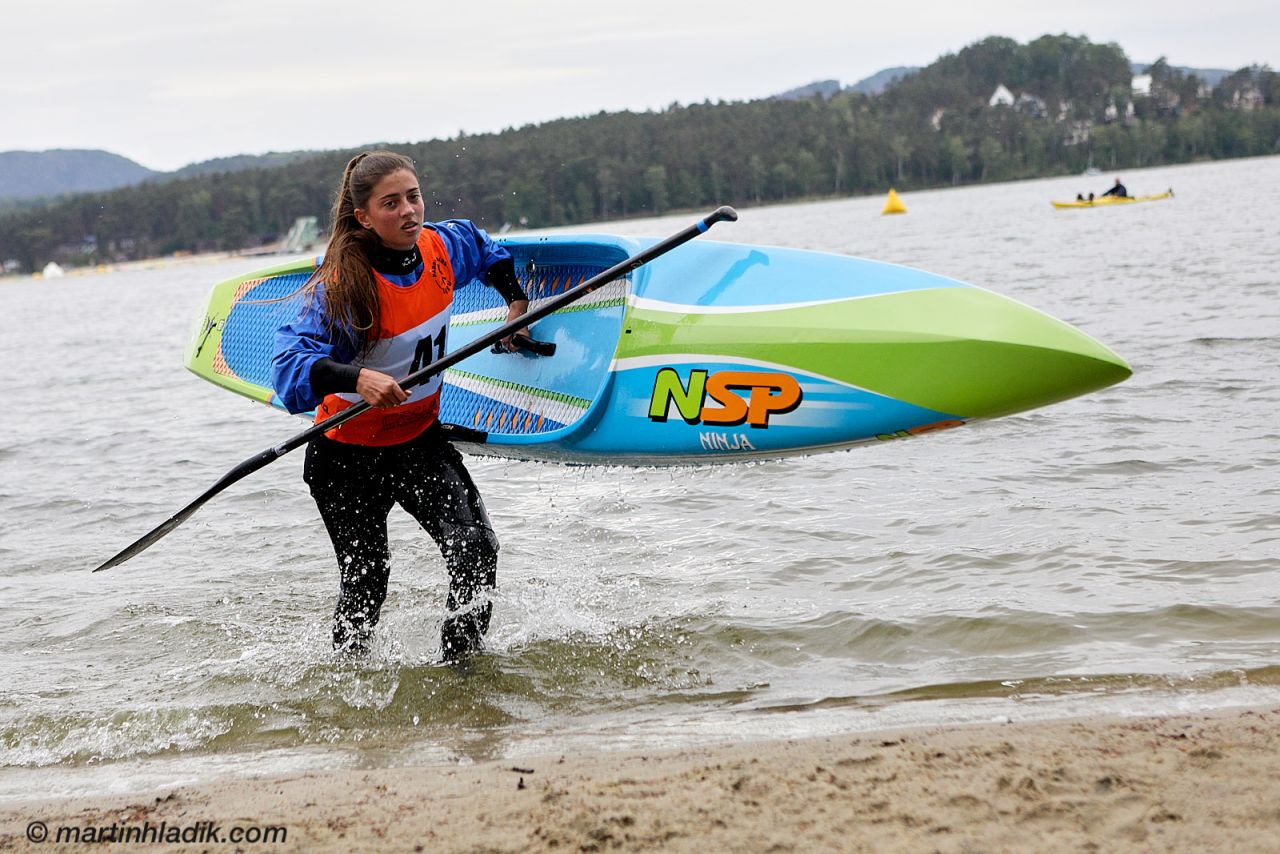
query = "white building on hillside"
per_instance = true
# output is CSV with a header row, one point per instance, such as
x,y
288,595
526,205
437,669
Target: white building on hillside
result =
x,y
1001,96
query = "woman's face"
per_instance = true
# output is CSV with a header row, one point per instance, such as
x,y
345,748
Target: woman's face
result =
x,y
394,210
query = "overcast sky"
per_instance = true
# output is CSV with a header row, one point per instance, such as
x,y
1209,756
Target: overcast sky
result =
x,y
172,82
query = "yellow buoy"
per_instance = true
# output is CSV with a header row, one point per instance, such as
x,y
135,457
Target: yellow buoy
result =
x,y
893,204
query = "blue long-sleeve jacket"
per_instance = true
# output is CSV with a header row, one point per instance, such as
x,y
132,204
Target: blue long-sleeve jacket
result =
x,y
305,340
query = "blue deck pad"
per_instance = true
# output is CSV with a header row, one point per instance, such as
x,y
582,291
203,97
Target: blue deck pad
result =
x,y
585,340
249,333
545,280
515,394
512,394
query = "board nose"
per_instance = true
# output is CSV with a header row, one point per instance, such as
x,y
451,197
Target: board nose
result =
x,y
956,350
978,354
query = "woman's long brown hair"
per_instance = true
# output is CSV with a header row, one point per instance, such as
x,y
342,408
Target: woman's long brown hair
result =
x,y
350,290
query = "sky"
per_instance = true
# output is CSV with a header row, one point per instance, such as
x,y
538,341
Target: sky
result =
x,y
172,82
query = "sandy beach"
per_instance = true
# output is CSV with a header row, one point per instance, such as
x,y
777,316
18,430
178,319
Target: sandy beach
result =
x,y
1202,782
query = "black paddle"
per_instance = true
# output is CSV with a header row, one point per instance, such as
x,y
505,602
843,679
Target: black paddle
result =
x,y
420,376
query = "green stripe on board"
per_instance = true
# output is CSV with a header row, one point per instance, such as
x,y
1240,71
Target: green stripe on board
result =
x,y
964,351
524,389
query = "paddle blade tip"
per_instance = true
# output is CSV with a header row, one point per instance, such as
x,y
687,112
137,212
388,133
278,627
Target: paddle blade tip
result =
x,y
118,559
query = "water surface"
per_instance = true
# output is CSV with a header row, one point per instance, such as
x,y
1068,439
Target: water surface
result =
x,y
1112,554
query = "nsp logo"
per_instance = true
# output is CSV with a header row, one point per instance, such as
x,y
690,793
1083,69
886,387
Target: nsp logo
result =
x,y
770,393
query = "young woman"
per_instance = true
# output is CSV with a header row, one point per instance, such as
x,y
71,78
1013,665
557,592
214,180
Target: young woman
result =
x,y
378,306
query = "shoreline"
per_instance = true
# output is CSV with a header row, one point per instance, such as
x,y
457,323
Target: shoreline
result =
x,y
157,263
1188,782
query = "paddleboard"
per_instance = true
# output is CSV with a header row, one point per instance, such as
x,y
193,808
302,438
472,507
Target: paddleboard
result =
x,y
713,352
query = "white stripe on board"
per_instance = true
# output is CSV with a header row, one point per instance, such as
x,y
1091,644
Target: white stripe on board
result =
x,y
612,291
563,411
683,308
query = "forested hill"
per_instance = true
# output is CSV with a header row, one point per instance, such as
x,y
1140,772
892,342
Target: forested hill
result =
x,y
1065,103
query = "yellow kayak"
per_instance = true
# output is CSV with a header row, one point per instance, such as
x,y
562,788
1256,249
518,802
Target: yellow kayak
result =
x,y
1105,201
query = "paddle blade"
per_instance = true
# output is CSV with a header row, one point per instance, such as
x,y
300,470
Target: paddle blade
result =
x,y
150,538
246,468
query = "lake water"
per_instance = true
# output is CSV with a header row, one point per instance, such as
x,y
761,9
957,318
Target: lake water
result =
x,y
1114,554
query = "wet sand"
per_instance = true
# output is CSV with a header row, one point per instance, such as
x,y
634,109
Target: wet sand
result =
x,y
1202,782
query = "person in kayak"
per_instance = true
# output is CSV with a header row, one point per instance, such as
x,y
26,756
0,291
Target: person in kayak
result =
x,y
376,309
1118,191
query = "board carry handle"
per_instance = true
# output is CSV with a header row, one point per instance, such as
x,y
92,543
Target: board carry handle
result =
x,y
550,306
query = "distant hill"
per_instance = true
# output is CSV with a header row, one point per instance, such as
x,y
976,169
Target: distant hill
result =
x,y
873,85
825,88
32,174
26,175
241,162
881,80
878,82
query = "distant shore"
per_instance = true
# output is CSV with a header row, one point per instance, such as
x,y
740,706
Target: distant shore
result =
x,y
1200,782
156,263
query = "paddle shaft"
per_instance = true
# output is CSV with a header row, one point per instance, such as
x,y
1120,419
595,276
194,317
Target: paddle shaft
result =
x,y
549,306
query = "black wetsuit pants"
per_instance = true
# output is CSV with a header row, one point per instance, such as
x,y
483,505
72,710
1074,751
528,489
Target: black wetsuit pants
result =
x,y
355,488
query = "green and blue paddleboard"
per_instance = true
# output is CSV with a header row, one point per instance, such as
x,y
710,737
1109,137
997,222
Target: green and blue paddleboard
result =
x,y
713,352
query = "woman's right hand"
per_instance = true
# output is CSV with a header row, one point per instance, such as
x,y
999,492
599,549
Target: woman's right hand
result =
x,y
379,389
